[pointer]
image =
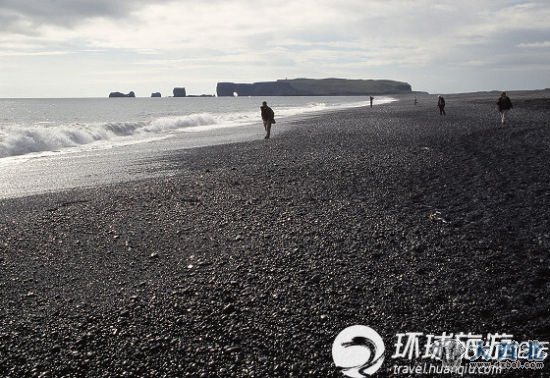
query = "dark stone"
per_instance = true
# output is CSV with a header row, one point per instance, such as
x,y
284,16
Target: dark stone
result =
x,y
156,94
229,309
179,92
120,94
314,87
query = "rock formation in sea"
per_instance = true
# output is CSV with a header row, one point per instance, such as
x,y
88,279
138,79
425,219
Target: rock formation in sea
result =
x,y
120,94
179,92
156,94
314,87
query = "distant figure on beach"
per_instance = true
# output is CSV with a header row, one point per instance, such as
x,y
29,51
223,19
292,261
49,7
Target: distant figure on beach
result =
x,y
268,116
415,101
504,104
371,99
441,105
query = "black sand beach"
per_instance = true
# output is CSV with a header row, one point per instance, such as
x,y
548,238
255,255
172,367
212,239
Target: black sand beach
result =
x,y
251,258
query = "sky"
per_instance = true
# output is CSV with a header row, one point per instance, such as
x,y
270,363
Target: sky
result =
x,y
81,48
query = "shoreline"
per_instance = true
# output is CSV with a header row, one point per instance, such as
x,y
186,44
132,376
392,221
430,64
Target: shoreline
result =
x,y
109,162
254,256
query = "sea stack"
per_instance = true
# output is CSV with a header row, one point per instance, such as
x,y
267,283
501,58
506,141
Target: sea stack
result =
x,y
179,92
156,94
120,94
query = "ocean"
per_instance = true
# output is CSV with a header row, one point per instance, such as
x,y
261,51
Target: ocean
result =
x,y
54,144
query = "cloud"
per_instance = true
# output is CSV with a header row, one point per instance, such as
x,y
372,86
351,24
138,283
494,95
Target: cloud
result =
x,y
21,16
264,40
39,53
535,45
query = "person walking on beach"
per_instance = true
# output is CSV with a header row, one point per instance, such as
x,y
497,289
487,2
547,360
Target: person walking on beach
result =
x,y
441,105
371,99
504,104
268,116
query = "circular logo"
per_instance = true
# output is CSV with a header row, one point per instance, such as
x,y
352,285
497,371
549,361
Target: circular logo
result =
x,y
358,351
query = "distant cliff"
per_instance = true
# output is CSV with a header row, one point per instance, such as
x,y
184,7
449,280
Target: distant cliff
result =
x,y
314,87
120,94
179,92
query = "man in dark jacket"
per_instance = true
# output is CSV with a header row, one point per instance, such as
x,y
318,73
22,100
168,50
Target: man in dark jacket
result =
x,y
441,105
504,105
268,116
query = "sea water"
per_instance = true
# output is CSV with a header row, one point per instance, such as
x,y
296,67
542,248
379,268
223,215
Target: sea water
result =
x,y
53,144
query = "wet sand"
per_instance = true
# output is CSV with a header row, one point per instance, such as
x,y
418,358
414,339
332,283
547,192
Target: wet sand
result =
x,y
247,259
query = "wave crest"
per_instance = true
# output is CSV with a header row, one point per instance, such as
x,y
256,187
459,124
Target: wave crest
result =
x,y
23,139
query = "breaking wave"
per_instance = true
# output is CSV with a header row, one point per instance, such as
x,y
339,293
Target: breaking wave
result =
x,y
24,139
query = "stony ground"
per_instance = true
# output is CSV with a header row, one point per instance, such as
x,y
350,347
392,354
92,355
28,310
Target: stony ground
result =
x,y
247,260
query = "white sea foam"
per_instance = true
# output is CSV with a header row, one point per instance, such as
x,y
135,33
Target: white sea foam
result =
x,y
24,139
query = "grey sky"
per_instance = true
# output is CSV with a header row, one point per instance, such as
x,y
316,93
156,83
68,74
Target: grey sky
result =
x,y
57,48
